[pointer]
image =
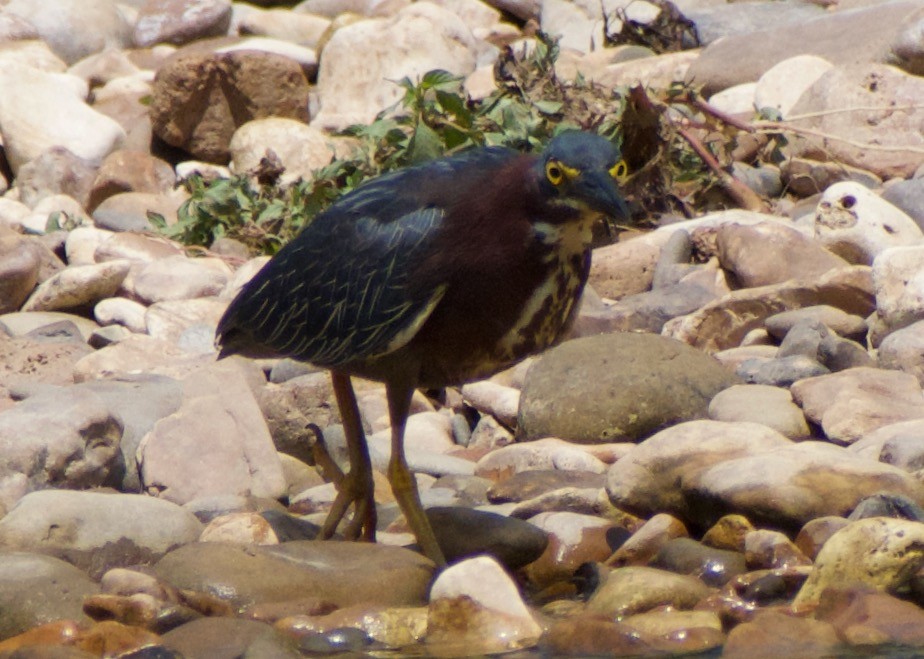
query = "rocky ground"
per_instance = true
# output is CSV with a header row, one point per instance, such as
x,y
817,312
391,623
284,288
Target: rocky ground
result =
x,y
727,458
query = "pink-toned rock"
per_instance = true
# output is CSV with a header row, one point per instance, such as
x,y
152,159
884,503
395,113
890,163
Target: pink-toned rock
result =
x,y
216,443
850,404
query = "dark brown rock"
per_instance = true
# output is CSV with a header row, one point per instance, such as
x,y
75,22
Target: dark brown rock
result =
x,y
130,171
200,99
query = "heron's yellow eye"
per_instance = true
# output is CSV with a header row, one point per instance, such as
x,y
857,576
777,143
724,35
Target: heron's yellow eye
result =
x,y
554,172
620,171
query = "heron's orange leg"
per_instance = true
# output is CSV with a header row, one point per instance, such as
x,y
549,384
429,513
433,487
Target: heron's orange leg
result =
x,y
403,484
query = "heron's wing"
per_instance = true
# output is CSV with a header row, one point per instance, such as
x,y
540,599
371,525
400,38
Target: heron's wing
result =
x,y
343,290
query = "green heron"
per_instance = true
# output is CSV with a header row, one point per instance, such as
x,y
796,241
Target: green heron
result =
x,y
430,276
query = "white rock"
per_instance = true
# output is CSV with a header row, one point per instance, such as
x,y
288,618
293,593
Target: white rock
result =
x,y
81,244
781,86
39,110
12,212
475,605
180,278
735,100
473,13
361,61
495,399
75,28
301,148
36,54
898,279
171,319
857,224
121,311
304,56
78,286
303,29
243,275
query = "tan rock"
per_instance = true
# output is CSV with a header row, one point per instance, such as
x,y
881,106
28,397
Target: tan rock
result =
x,y
880,552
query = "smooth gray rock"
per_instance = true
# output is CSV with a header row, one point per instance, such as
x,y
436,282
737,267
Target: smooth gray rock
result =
x,y
97,531
617,387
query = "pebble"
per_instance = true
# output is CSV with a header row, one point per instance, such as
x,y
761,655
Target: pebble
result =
x,y
113,410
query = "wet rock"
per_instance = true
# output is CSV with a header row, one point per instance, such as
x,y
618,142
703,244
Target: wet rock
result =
x,y
879,552
687,556
757,403
850,404
37,589
768,550
557,402
475,607
789,486
864,617
648,540
597,635
729,532
888,505
644,482
816,533
463,533
775,634
228,637
628,590
238,87
97,531
573,540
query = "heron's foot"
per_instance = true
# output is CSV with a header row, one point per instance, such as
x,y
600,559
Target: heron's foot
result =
x,y
354,488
